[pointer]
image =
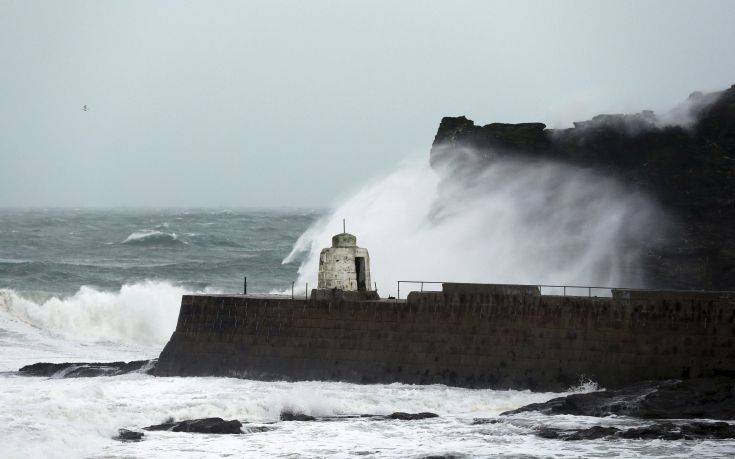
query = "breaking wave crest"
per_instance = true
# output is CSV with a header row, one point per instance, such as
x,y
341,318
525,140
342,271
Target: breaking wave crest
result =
x,y
152,237
511,221
139,314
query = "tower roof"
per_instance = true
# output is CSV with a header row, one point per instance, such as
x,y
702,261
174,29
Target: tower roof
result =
x,y
344,240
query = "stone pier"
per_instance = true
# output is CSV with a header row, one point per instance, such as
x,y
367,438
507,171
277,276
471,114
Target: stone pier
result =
x,y
470,335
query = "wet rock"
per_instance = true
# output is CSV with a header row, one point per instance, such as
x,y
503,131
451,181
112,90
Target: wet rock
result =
x,y
257,429
86,369
548,433
712,430
656,431
688,431
480,421
663,431
291,416
711,398
593,433
204,425
411,416
398,415
128,435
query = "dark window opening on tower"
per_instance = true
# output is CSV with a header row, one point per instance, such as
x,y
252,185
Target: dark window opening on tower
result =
x,y
360,270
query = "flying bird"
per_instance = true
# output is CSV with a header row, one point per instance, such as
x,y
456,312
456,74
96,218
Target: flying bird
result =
x,y
85,108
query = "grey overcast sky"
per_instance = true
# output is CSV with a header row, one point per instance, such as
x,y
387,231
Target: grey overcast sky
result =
x,y
272,103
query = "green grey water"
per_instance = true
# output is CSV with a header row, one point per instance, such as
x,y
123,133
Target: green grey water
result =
x,y
56,251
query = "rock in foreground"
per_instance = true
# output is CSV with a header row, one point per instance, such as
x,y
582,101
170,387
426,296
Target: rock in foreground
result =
x,y
709,398
398,415
411,416
128,435
291,416
85,369
659,431
204,425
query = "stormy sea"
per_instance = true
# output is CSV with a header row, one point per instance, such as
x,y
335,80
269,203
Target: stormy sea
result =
x,y
105,285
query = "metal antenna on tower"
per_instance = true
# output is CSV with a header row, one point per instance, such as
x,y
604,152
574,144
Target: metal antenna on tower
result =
x,y
344,230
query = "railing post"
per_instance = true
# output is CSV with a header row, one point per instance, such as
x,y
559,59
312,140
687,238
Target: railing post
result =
x,y
565,290
245,286
398,295
589,292
422,286
306,292
292,284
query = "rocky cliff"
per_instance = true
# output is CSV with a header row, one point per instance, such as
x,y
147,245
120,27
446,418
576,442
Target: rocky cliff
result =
x,y
687,166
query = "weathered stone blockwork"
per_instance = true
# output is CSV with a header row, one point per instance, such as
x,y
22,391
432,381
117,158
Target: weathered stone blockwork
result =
x,y
463,336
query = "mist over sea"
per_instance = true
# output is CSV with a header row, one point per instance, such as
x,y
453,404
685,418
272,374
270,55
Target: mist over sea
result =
x,y
105,285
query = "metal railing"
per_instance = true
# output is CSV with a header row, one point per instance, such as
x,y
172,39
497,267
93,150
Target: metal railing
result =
x,y
293,286
546,289
398,290
570,290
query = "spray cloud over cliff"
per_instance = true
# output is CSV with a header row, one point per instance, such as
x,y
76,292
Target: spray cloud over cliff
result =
x,y
512,221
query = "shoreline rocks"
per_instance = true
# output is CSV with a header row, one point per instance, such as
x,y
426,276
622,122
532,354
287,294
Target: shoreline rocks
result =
x,y
292,416
203,425
411,416
128,435
86,369
287,415
658,431
704,398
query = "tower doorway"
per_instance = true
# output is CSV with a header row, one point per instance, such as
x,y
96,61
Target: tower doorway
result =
x,y
360,271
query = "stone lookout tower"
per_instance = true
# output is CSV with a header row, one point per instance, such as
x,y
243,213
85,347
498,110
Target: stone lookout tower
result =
x,y
344,266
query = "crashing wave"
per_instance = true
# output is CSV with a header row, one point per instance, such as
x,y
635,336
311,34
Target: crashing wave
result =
x,y
509,222
139,314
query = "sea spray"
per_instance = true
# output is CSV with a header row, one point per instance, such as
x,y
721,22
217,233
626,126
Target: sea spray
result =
x,y
511,221
139,314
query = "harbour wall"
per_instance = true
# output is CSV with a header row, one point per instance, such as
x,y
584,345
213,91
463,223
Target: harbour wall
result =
x,y
470,335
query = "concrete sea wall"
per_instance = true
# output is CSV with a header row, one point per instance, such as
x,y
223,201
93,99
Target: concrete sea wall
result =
x,y
468,335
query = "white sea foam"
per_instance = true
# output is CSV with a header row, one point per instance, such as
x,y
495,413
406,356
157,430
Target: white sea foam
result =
x,y
139,314
77,418
585,385
151,237
511,222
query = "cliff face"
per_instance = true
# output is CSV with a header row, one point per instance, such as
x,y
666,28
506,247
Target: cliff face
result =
x,y
689,170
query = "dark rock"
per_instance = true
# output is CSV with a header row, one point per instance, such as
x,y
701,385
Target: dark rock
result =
x,y
128,435
711,398
411,416
593,433
257,429
657,431
548,433
84,369
690,170
480,421
204,425
291,416
663,431
687,431
712,430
